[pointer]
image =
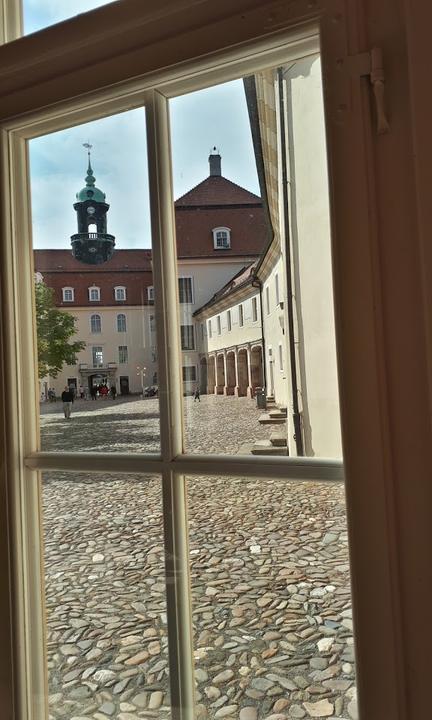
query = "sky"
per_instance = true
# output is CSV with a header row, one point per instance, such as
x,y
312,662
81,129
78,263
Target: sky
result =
x,y
215,116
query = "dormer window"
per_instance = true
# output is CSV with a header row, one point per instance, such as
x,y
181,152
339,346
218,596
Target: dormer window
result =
x,y
222,238
68,294
120,293
94,294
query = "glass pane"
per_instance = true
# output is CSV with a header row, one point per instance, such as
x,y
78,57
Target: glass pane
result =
x,y
271,599
105,597
95,312
254,265
40,14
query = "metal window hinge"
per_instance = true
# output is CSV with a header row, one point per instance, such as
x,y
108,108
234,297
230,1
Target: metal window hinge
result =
x,y
371,64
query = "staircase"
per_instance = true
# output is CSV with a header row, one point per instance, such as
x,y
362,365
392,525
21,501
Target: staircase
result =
x,y
277,444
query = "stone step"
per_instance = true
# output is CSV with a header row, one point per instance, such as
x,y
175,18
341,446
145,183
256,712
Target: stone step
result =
x,y
269,419
277,413
278,439
265,447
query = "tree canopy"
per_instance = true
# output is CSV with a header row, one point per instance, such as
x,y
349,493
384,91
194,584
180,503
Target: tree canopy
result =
x,y
54,332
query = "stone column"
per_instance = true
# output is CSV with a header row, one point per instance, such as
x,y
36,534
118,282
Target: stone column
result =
x,y
249,391
216,374
236,388
225,390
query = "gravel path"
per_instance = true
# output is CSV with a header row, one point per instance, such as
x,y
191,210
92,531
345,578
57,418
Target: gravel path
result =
x,y
269,572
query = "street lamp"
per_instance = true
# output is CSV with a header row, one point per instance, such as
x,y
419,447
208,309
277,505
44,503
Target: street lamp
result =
x,y
141,371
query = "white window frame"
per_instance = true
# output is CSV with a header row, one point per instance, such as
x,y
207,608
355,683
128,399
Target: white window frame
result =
x,y
187,277
93,324
267,297
185,334
94,289
150,295
68,290
124,320
254,309
123,348
281,362
120,290
218,325
371,538
94,349
210,329
229,321
241,315
226,232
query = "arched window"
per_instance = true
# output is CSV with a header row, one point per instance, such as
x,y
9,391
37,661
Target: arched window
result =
x,y
221,238
95,324
121,323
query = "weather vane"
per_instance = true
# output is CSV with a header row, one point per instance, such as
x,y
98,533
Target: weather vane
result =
x,y
88,147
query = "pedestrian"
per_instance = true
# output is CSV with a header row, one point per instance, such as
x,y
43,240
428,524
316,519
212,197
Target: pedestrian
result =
x,y
67,400
81,392
103,391
93,392
197,394
113,392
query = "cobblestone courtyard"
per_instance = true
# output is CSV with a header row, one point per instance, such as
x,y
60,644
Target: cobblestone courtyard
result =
x,y
269,569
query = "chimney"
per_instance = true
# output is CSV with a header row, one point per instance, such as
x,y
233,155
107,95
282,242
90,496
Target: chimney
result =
x,y
215,162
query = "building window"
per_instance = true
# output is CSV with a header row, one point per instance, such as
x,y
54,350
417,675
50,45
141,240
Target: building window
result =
x,y
120,293
281,367
68,294
150,295
222,238
123,354
187,337
202,331
95,324
209,329
267,294
277,289
229,325
241,318
189,373
254,310
94,294
218,324
152,323
121,323
97,352
185,290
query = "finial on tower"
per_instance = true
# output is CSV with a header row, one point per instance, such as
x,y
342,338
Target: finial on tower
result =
x,y
215,162
90,179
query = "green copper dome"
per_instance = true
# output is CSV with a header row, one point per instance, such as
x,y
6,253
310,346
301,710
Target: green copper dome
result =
x,y
90,191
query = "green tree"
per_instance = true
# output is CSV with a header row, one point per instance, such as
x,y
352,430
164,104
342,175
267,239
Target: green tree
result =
x,y
54,332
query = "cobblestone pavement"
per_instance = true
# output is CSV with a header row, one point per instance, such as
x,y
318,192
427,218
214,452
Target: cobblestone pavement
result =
x,y
269,571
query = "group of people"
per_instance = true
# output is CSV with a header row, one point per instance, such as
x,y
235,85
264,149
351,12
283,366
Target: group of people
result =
x,y
68,395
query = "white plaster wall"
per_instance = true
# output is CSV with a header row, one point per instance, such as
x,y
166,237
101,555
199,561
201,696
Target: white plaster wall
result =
x,y
311,256
274,325
238,335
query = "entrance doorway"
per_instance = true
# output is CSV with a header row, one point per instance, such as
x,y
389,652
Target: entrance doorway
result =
x,y
124,385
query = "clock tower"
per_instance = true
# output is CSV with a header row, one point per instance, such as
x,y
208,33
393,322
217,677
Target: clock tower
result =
x,y
92,244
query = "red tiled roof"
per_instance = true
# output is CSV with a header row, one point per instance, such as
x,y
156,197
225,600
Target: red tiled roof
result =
x,y
217,190
63,261
249,233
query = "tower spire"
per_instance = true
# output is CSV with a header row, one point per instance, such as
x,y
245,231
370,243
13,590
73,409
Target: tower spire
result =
x,y
90,178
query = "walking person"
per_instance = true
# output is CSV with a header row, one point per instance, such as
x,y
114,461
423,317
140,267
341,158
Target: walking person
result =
x,y
67,400
93,392
113,392
197,394
81,392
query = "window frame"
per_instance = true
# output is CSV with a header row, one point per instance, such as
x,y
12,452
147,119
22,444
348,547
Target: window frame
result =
x,y
150,294
229,321
64,291
94,353
123,349
94,324
254,309
241,315
116,290
189,367
187,332
124,321
190,278
227,234
92,289
21,437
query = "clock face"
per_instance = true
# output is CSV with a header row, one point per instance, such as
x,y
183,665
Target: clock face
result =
x,y
91,210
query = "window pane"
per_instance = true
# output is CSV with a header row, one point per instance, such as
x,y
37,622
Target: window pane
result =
x,y
275,276
84,341
105,596
271,599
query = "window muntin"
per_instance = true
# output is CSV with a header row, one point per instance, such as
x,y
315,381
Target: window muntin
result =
x,y
120,293
94,294
97,356
189,373
68,294
185,290
241,315
95,324
121,322
187,337
123,354
222,238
